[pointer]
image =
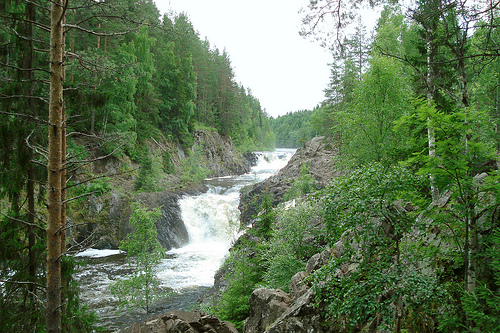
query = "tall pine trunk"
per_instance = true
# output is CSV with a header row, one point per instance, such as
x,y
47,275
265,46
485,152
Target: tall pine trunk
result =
x,y
30,186
55,168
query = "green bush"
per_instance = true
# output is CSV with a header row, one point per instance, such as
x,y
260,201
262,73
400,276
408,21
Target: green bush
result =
x,y
390,284
294,242
150,173
190,169
303,185
244,273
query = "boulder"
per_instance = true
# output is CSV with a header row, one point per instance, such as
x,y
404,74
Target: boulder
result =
x,y
182,322
318,260
298,285
266,305
301,316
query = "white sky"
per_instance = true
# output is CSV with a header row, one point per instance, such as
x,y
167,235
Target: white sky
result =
x,y
283,70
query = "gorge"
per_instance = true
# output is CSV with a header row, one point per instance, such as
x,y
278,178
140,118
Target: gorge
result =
x,y
211,220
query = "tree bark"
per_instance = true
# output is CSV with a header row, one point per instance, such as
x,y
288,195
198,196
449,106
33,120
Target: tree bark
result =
x,y
30,186
54,193
431,137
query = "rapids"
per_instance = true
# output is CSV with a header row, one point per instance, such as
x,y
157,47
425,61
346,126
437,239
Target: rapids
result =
x,y
212,221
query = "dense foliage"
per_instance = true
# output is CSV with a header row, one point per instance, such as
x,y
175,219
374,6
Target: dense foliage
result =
x,y
293,129
414,223
128,76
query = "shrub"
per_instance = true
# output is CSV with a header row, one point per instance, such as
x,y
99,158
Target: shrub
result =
x,y
295,241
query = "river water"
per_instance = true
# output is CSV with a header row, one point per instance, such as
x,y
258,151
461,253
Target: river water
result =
x,y
212,221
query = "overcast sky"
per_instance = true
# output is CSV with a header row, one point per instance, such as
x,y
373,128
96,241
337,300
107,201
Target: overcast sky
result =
x,y
284,71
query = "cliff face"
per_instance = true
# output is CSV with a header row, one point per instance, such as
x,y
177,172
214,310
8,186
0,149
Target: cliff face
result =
x,y
102,221
219,154
318,154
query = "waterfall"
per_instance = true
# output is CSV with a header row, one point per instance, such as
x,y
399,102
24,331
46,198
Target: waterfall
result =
x,y
212,220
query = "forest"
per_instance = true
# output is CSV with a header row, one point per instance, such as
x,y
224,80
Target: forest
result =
x,y
113,75
413,224
412,108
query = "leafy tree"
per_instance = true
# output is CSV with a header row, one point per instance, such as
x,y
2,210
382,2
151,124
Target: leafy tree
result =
x,y
460,157
380,257
145,252
366,126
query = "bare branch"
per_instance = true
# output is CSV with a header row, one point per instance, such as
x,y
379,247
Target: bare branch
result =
x,y
95,159
102,34
101,176
24,283
79,196
21,221
24,69
24,115
84,242
35,23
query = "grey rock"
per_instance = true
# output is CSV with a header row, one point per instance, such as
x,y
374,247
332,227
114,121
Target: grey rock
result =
x,y
298,286
182,322
318,260
301,316
221,157
318,153
266,305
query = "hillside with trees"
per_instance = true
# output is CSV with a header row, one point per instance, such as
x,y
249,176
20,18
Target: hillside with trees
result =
x,y
83,80
405,238
293,129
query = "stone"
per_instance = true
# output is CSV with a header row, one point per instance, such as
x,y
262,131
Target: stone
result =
x,y
266,305
318,260
301,316
298,286
182,322
318,153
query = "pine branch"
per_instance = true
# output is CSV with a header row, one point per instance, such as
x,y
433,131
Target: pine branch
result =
x,y
101,34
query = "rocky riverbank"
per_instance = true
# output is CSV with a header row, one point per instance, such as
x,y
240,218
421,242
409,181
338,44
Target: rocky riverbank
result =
x,y
270,309
317,154
101,221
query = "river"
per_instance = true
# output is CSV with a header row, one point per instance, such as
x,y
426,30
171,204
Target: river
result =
x,y
212,221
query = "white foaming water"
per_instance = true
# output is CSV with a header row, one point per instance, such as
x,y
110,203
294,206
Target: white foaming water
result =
x,y
94,253
212,222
